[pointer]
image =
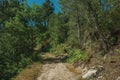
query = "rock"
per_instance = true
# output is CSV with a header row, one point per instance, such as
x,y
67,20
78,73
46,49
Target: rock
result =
x,y
84,70
101,78
90,73
100,68
118,78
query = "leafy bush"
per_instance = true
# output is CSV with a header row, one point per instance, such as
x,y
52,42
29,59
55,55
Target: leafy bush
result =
x,y
59,49
117,50
112,40
13,57
75,55
15,52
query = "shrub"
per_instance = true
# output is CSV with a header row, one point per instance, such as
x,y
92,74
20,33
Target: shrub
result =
x,y
59,49
15,52
75,55
112,40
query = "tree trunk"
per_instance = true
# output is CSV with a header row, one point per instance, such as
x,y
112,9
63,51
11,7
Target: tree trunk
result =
x,y
78,24
98,27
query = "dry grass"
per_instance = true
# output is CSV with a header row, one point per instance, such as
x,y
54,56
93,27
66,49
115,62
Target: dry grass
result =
x,y
73,69
30,73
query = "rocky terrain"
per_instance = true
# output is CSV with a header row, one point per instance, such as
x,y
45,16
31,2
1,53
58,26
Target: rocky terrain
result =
x,y
54,68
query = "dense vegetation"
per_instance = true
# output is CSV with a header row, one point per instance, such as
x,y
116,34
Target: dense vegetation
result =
x,y
26,31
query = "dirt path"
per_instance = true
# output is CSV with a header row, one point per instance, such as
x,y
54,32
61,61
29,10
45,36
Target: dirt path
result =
x,y
98,68
54,69
58,71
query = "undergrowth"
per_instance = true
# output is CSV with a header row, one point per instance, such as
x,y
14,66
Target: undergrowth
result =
x,y
75,55
30,73
59,49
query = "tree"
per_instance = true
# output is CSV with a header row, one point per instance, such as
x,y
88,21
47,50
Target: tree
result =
x,y
76,13
98,25
91,16
17,40
7,10
47,10
57,29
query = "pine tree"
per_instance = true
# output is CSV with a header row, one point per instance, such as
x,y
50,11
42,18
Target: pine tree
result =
x,y
47,10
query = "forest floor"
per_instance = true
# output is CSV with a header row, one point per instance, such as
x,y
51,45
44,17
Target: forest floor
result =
x,y
53,68
110,63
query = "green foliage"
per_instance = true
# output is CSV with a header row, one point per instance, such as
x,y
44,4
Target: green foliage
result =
x,y
59,49
17,41
75,55
47,10
24,28
112,40
24,61
117,50
57,29
14,54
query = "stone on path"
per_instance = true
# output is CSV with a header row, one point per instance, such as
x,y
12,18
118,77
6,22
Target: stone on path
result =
x,y
89,74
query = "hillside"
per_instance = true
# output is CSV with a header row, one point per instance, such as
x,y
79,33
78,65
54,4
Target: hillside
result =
x,y
80,41
107,68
